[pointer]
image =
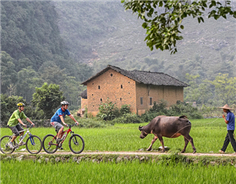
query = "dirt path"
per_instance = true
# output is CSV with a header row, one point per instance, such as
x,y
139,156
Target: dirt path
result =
x,y
131,153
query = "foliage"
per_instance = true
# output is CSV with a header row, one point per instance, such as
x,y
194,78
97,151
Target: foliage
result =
x,y
125,109
182,108
33,52
8,106
47,98
8,74
159,107
178,109
108,110
127,118
220,91
225,89
163,19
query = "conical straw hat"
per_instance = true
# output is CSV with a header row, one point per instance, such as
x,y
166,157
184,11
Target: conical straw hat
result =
x,y
225,107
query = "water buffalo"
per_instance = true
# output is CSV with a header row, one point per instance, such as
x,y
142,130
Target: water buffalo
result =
x,y
168,126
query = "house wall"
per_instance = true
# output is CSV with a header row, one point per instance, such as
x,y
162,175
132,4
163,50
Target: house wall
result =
x,y
168,93
84,103
113,85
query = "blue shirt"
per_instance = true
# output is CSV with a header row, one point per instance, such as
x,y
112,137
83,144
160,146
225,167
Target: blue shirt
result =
x,y
60,112
230,117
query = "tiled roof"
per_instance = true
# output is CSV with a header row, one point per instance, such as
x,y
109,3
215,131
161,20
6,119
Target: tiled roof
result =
x,y
145,77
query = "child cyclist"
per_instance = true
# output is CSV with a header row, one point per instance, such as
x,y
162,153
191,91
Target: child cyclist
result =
x,y
58,118
14,121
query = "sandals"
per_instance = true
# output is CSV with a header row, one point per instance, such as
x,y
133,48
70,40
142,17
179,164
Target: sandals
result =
x,y
221,151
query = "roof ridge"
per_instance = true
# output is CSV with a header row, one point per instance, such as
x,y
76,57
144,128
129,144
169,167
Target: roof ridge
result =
x,y
136,75
148,71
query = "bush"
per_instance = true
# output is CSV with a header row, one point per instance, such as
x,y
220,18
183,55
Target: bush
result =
x,y
127,118
125,109
178,109
182,108
90,123
108,111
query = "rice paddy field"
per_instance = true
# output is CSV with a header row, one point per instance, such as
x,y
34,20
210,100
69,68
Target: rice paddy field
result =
x,y
208,136
124,172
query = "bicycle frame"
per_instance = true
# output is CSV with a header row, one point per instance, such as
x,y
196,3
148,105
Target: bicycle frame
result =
x,y
63,135
21,140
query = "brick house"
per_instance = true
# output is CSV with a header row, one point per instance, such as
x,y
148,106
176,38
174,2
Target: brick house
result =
x,y
139,89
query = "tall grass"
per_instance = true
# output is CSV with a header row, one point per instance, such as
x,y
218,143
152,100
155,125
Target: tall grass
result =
x,y
124,172
208,136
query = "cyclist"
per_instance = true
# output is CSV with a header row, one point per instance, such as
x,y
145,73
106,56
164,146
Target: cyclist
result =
x,y
58,118
14,121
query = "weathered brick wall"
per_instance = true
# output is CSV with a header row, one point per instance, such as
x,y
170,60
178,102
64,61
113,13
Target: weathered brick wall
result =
x,y
111,84
168,93
84,103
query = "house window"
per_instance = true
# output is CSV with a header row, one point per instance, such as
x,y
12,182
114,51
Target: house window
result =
x,y
121,86
141,100
92,94
98,87
120,99
150,100
111,74
101,99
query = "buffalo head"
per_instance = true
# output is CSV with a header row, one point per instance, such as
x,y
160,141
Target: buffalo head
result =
x,y
143,133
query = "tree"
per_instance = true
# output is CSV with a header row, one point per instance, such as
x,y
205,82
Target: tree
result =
x,y
225,89
47,98
163,18
8,73
8,106
27,81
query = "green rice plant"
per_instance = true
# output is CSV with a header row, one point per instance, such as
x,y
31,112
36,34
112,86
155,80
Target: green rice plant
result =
x,y
133,172
208,136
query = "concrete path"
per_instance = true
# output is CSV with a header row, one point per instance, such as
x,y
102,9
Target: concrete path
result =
x,y
131,153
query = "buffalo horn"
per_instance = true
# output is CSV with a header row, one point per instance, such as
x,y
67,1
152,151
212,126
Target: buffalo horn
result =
x,y
140,128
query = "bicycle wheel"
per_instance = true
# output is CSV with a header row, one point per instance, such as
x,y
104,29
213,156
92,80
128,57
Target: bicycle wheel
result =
x,y
76,143
49,144
33,144
4,144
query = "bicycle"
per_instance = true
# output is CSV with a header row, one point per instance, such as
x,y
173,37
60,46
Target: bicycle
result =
x,y
33,143
76,142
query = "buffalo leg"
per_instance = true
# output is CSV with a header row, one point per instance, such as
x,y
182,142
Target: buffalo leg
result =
x,y
153,140
186,144
190,139
162,143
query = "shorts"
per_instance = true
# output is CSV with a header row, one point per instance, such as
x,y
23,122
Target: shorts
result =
x,y
16,129
56,125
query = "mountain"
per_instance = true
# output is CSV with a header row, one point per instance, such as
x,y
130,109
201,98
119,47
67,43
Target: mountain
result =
x,y
101,33
66,42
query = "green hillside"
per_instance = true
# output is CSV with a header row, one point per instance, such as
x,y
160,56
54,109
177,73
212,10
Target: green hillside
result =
x,y
65,42
117,37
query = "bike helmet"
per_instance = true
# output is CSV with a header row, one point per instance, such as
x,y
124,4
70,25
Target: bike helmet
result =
x,y
20,104
64,103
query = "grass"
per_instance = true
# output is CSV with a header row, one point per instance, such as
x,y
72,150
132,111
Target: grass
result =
x,y
107,172
208,136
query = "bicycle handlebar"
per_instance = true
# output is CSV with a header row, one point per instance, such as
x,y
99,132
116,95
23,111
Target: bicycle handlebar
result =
x,y
71,125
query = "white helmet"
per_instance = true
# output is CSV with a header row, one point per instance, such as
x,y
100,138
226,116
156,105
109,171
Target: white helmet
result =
x,y
64,103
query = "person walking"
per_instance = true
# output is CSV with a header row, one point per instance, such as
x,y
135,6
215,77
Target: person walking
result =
x,y
230,121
